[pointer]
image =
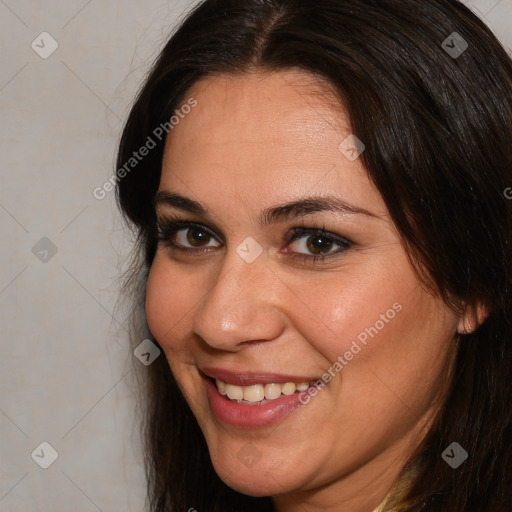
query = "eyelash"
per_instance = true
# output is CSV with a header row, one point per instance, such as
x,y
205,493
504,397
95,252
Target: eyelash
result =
x,y
167,229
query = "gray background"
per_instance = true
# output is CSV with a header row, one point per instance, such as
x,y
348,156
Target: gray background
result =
x,y
65,372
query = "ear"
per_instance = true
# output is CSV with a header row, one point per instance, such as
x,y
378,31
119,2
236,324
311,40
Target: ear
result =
x,y
472,318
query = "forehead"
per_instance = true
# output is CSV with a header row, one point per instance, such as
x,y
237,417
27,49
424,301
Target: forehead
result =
x,y
267,106
273,133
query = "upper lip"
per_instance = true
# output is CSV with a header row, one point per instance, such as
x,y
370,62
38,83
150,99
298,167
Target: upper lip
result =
x,y
247,378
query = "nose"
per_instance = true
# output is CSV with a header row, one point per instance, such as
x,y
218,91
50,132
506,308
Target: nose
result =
x,y
241,306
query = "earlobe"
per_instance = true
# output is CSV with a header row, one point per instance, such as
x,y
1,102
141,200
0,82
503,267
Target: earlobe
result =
x,y
472,318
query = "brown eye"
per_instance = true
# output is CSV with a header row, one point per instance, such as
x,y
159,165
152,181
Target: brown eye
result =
x,y
318,244
185,235
194,236
197,236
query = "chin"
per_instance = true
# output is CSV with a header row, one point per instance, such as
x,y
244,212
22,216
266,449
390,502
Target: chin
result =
x,y
256,478
255,483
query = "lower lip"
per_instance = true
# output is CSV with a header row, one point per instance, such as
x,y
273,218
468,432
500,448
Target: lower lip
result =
x,y
249,416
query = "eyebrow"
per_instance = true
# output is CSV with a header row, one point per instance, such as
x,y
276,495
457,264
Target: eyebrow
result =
x,y
273,214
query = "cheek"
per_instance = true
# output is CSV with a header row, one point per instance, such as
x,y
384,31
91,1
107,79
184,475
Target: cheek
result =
x,y
397,366
344,312
373,326
169,299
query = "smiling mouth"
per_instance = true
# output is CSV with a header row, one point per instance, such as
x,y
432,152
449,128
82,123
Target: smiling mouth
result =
x,y
256,400
258,394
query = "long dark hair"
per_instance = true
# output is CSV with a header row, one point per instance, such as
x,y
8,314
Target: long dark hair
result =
x,y
434,110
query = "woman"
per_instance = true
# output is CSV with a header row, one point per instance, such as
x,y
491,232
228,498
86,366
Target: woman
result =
x,y
317,191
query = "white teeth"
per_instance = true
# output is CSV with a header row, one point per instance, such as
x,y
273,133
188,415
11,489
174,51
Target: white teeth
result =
x,y
288,388
272,391
234,392
302,386
254,393
258,392
221,386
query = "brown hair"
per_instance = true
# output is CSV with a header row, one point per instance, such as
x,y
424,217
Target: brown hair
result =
x,y
438,133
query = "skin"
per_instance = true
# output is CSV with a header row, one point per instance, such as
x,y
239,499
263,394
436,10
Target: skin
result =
x,y
263,139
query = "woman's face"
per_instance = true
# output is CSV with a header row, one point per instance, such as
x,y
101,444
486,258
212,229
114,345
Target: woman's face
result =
x,y
292,272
